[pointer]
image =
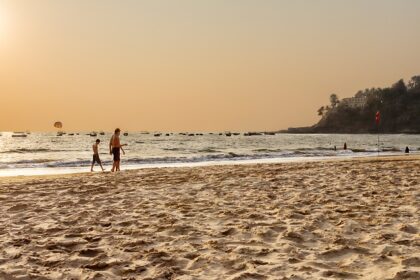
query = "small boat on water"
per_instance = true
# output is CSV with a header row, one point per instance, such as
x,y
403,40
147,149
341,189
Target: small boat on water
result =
x,y
70,134
93,134
19,134
101,133
125,134
60,133
252,134
269,133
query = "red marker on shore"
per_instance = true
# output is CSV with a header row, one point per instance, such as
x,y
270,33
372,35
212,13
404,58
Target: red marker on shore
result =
x,y
378,121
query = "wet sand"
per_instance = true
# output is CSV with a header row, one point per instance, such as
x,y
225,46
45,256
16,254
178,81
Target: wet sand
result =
x,y
342,219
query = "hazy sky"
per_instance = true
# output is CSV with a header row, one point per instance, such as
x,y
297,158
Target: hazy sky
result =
x,y
191,65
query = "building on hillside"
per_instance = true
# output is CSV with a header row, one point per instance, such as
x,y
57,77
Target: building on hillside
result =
x,y
355,102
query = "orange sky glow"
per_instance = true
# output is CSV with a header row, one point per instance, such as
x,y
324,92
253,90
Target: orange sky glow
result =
x,y
192,65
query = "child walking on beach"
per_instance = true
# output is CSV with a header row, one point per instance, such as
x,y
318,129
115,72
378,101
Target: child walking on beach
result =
x,y
96,158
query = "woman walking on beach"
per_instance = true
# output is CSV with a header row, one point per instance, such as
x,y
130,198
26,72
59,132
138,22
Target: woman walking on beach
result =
x,y
114,149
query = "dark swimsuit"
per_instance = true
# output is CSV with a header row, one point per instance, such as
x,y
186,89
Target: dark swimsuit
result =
x,y
96,159
116,153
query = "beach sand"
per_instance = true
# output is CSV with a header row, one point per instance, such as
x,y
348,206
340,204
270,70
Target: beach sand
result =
x,y
342,219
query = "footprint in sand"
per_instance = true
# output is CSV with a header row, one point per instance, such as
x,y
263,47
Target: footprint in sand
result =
x,y
407,275
339,274
415,262
90,253
18,207
409,229
343,253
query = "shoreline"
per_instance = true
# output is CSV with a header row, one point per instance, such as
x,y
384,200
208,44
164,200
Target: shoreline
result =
x,y
30,172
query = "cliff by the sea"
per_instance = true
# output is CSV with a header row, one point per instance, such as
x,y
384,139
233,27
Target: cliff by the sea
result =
x,y
398,106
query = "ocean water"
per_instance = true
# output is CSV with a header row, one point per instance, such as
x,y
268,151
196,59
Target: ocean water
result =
x,y
47,153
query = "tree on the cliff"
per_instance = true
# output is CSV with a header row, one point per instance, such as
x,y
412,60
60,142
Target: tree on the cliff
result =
x,y
321,111
414,84
334,100
399,87
327,109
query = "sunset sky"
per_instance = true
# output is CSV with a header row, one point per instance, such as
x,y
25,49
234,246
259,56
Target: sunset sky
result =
x,y
191,65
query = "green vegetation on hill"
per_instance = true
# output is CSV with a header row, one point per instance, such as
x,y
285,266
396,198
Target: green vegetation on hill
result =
x,y
399,106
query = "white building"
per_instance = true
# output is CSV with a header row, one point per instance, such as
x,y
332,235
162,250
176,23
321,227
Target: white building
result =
x,y
355,102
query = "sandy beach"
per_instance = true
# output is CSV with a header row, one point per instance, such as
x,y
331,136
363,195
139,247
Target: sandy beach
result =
x,y
343,219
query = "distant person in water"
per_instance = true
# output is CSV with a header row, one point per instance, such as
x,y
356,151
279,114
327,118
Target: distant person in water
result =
x,y
114,149
345,146
96,158
407,150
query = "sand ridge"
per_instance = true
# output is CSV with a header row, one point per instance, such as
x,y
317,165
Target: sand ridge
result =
x,y
356,219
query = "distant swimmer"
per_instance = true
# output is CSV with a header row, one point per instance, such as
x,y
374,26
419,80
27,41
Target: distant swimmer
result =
x,y
114,149
345,146
407,150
